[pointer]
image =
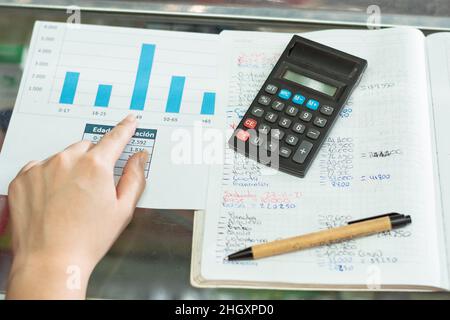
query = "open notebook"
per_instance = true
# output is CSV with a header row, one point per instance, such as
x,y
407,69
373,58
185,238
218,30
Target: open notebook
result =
x,y
382,156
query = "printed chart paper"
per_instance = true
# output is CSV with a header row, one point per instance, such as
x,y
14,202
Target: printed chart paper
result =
x,y
78,76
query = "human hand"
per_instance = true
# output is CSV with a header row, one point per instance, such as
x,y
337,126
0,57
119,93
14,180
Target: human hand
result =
x,y
66,212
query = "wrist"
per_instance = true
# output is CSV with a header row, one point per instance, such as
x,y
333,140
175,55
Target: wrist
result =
x,y
48,276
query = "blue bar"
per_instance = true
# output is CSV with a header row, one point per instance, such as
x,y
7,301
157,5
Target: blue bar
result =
x,y
209,99
142,77
175,94
103,95
69,88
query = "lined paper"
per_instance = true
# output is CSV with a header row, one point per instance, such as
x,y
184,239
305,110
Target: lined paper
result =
x,y
377,159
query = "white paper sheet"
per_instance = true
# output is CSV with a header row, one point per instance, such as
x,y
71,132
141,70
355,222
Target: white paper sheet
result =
x,y
79,75
438,49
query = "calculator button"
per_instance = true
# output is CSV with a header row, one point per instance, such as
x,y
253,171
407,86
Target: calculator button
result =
x,y
291,139
256,140
326,110
298,127
284,94
305,116
320,122
264,100
277,105
291,111
298,99
277,134
285,122
250,123
270,88
272,146
242,135
257,111
313,134
285,152
312,104
271,117
264,128
302,152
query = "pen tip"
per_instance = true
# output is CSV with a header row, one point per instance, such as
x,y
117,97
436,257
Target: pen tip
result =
x,y
241,255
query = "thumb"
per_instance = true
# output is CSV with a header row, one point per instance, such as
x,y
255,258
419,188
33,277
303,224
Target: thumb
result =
x,y
132,183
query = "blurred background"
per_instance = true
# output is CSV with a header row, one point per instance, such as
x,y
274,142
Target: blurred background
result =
x,y
151,260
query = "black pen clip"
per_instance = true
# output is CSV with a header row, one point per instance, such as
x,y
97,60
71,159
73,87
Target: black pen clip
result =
x,y
392,214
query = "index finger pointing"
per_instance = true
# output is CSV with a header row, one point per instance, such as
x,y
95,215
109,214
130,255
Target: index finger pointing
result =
x,y
112,144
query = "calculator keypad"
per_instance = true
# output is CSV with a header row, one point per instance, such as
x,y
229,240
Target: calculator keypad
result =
x,y
271,89
298,99
284,94
277,105
291,111
264,129
271,117
285,152
320,122
313,133
250,123
277,134
264,100
305,115
257,112
291,139
242,135
272,146
286,122
312,104
326,110
298,127
256,140
302,151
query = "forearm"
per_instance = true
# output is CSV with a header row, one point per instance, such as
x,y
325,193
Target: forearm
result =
x,y
43,278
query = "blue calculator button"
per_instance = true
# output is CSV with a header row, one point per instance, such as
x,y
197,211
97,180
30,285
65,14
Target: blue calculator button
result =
x,y
312,104
284,94
298,99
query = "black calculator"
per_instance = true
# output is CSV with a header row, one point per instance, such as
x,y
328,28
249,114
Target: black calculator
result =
x,y
296,107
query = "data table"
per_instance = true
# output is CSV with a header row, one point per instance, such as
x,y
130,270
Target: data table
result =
x,y
143,139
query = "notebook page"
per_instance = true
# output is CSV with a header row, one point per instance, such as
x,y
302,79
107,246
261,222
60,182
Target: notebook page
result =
x,y
373,162
438,49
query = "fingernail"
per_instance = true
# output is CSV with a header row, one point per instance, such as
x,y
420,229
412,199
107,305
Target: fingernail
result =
x,y
130,118
143,158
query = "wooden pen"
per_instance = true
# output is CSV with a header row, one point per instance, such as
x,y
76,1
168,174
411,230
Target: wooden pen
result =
x,y
353,229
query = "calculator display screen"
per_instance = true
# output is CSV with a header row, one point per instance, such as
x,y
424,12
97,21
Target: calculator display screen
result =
x,y
310,83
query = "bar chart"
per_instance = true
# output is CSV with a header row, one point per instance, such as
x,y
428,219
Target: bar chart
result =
x,y
86,73
142,77
69,88
140,89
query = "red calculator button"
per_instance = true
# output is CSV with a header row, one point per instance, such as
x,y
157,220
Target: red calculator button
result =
x,y
242,135
250,123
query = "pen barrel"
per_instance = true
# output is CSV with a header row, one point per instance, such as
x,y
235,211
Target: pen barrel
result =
x,y
322,237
